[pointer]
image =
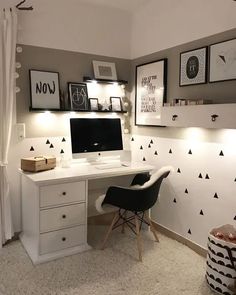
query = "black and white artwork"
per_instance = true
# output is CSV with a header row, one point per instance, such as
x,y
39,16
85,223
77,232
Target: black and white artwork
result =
x,y
93,102
78,96
104,70
193,67
116,104
150,91
223,61
44,89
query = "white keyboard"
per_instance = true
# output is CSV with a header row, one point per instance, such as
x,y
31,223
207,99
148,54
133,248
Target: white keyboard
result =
x,y
108,165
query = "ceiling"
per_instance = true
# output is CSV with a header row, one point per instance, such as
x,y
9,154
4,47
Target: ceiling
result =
x,y
127,5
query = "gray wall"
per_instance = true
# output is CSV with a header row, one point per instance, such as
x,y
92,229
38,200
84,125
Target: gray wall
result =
x,y
220,92
72,66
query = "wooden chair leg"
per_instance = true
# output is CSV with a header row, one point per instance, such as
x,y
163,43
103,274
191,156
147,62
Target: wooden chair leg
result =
x,y
149,221
123,225
115,218
139,242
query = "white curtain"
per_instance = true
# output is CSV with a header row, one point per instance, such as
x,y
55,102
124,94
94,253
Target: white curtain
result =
x,y
8,32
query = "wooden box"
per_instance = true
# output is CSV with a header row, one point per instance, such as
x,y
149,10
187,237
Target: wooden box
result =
x,y
35,164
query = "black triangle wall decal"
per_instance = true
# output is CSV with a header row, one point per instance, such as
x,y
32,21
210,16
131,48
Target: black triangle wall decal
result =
x,y
221,153
174,200
149,146
47,142
170,151
207,176
32,149
235,217
63,139
132,139
186,191
144,159
141,148
62,152
151,142
51,146
190,152
216,196
201,212
235,179
156,153
178,171
200,175
189,231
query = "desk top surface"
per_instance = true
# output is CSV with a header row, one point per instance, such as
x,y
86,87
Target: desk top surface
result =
x,y
79,172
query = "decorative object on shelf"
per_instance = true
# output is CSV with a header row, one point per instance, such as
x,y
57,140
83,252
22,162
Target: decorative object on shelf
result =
x,y
93,103
104,70
223,61
115,104
150,92
106,106
193,67
44,90
78,96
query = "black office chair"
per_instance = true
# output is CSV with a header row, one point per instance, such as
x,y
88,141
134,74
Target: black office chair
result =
x,y
138,198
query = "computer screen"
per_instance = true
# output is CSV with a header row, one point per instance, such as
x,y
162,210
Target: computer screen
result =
x,y
95,135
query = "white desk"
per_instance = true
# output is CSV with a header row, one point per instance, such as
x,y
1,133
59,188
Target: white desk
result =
x,y
54,208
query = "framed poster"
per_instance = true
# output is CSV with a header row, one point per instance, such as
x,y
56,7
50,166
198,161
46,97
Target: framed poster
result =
x,y
93,102
78,96
116,104
193,67
44,90
223,61
150,92
104,70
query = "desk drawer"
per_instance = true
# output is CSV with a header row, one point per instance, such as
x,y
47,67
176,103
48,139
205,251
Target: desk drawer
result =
x,y
62,239
57,218
62,193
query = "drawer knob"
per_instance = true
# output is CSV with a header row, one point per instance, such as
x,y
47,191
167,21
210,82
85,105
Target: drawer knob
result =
x,y
64,193
63,239
213,117
174,117
64,216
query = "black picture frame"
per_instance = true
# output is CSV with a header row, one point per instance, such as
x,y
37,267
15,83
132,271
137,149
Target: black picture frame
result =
x,y
116,105
93,104
152,75
44,90
193,67
222,65
78,96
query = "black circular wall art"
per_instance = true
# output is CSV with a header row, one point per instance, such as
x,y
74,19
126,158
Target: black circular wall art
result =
x,y
193,67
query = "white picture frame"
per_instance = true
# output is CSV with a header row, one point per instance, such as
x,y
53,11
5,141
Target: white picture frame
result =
x,y
104,70
222,61
44,90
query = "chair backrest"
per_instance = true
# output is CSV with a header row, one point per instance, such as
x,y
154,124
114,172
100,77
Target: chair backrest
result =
x,y
147,194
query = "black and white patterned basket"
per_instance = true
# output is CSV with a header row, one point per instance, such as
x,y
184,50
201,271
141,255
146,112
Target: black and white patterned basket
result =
x,y
221,266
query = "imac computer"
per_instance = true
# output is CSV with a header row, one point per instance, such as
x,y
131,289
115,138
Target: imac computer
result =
x,y
97,140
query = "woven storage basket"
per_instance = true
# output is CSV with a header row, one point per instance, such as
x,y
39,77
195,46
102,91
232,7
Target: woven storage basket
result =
x,y
221,266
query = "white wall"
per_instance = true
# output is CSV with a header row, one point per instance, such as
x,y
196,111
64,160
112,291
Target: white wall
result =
x,y
76,26
192,213
166,23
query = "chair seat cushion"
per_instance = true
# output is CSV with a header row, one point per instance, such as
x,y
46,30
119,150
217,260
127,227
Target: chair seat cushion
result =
x,y
105,208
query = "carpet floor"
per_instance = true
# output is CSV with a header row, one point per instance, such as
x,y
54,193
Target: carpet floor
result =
x,y
168,268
